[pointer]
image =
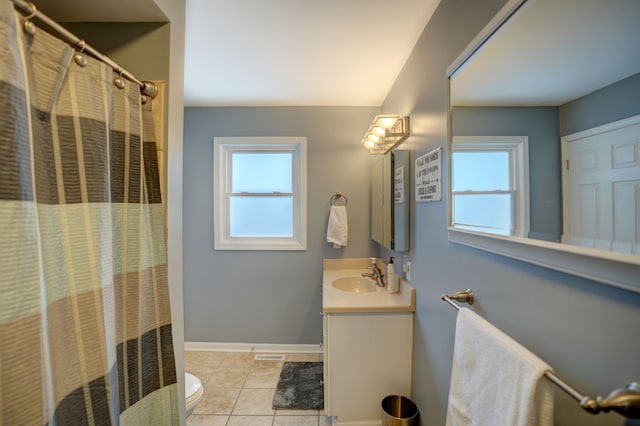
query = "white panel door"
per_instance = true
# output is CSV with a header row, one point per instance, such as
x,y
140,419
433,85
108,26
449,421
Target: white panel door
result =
x,y
601,187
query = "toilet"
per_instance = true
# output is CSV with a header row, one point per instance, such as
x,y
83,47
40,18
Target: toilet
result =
x,y
192,391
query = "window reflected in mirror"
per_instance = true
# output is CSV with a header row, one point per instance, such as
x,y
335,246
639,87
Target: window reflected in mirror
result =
x,y
490,189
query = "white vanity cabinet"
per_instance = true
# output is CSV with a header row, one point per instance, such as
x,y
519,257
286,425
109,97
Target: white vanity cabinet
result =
x,y
368,345
367,356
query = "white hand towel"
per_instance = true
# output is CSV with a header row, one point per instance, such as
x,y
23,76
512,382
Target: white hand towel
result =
x,y
495,381
338,230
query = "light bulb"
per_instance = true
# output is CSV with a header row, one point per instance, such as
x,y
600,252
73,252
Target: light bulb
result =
x,y
387,122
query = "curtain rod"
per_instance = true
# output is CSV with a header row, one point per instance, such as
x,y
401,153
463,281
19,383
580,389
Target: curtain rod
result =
x,y
625,402
147,88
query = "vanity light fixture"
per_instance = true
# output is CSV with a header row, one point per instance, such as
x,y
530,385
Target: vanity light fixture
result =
x,y
385,133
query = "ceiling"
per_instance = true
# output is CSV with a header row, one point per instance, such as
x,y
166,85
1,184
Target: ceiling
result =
x,y
349,52
298,52
279,52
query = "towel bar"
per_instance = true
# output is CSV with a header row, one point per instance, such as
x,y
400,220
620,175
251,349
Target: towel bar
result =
x,y
625,401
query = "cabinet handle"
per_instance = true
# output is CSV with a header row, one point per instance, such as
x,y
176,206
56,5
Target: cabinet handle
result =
x,y
321,313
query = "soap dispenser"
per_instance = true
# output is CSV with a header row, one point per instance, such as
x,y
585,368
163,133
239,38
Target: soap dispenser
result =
x,y
392,280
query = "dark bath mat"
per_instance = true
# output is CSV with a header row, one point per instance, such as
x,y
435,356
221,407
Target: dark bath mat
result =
x,y
300,387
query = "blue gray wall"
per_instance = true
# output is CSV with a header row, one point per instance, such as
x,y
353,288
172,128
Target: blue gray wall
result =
x,y
262,296
587,331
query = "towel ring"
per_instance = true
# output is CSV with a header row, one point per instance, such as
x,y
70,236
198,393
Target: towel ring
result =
x,y
337,196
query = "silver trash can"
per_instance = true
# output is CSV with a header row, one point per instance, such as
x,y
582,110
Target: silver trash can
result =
x,y
398,410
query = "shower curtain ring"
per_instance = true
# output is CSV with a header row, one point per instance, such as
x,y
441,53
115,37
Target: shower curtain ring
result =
x,y
79,57
33,13
119,81
28,26
81,44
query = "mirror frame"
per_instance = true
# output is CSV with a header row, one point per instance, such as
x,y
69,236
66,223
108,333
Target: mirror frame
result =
x,y
615,269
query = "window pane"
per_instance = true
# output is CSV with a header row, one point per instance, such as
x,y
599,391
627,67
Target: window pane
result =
x,y
261,217
493,164
263,172
484,210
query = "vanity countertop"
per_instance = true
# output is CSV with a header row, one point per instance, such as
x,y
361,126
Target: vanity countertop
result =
x,y
338,301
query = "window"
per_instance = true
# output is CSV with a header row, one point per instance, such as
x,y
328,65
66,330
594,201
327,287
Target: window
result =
x,y
260,193
497,200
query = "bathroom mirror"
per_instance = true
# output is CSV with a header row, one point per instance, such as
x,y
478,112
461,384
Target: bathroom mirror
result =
x,y
528,102
390,180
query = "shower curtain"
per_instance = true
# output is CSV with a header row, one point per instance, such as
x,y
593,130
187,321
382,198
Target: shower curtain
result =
x,y
85,327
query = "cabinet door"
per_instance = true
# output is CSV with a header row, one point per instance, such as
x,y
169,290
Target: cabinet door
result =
x,y
368,358
382,201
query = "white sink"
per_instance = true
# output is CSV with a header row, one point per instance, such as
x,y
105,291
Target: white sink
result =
x,y
355,285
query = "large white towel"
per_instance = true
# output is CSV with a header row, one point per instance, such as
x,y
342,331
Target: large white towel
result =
x,y
495,381
338,229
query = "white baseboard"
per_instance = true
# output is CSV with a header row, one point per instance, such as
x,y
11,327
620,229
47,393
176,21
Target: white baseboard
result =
x,y
251,347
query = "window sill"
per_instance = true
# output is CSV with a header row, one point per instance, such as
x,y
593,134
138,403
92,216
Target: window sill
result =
x,y
266,244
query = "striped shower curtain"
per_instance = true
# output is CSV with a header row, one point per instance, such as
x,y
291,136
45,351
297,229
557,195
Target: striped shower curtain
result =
x,y
85,327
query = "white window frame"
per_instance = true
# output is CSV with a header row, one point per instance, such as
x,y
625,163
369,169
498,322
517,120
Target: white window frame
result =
x,y
518,148
224,147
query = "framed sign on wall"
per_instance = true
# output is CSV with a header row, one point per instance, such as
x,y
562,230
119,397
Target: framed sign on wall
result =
x,y
428,176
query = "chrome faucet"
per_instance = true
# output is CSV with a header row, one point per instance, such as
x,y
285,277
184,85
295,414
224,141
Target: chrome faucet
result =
x,y
376,274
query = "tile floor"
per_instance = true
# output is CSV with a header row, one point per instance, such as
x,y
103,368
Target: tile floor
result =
x,y
238,391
